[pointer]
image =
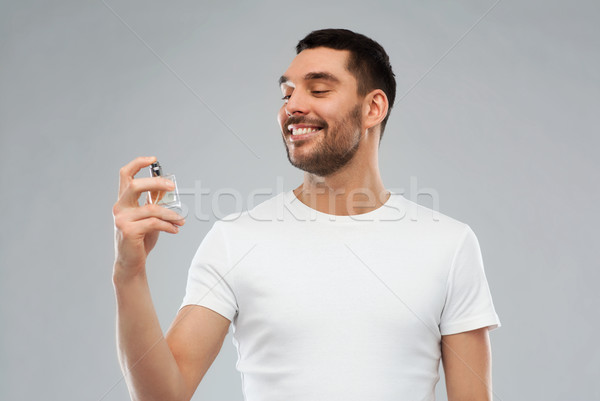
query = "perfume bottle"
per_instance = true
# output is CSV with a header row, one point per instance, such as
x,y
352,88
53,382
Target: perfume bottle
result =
x,y
168,199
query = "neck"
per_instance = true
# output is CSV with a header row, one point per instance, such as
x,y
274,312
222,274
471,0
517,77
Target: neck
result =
x,y
357,188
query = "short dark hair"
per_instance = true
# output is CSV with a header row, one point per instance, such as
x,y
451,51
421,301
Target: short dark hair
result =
x,y
368,61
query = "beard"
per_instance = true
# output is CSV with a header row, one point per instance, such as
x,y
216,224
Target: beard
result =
x,y
336,147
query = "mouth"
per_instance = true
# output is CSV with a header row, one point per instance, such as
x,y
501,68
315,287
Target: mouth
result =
x,y
303,131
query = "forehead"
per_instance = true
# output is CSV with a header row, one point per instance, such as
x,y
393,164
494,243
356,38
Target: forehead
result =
x,y
319,60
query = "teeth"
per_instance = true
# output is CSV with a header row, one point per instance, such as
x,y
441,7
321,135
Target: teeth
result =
x,y
301,131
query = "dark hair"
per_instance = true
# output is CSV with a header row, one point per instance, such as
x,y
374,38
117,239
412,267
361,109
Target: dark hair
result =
x,y
368,61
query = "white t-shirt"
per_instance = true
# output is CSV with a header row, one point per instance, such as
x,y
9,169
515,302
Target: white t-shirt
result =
x,y
327,307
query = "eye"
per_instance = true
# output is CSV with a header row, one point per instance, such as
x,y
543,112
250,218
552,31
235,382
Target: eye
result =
x,y
286,98
320,92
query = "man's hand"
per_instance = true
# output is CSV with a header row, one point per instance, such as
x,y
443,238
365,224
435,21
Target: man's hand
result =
x,y
137,227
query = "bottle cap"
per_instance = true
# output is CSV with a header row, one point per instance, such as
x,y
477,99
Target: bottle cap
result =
x,y
155,169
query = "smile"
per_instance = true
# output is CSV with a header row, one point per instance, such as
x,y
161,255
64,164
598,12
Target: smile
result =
x,y
301,131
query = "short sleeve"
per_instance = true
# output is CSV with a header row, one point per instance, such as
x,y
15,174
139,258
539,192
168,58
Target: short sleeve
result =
x,y
208,283
468,304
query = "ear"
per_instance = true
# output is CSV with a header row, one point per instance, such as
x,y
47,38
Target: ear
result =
x,y
375,108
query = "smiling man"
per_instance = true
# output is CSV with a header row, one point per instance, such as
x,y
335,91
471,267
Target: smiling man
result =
x,y
314,145
336,290
337,94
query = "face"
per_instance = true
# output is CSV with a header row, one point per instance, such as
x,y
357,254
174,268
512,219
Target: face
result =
x,y
320,118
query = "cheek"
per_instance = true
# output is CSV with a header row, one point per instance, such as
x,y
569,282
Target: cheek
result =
x,y
281,116
329,112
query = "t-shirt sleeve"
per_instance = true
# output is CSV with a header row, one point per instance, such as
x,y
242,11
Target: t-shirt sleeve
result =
x,y
469,304
208,282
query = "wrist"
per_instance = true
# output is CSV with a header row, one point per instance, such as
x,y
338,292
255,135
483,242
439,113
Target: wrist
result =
x,y
126,274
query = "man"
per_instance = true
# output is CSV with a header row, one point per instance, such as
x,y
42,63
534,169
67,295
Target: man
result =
x,y
334,292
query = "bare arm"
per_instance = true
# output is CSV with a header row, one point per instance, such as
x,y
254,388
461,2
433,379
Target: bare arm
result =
x,y
164,369
467,361
195,339
151,372
154,368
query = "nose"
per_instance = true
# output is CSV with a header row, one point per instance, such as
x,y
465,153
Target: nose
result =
x,y
296,104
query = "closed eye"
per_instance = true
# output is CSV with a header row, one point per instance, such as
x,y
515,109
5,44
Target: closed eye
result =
x,y
287,97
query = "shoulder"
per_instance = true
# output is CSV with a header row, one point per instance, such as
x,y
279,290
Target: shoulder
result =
x,y
254,217
426,222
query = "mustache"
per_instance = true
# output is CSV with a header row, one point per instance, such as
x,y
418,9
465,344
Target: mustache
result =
x,y
303,120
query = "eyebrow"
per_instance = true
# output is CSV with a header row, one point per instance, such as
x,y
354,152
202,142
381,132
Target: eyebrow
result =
x,y
311,76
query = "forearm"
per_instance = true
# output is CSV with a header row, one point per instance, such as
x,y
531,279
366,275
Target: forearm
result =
x,y
150,369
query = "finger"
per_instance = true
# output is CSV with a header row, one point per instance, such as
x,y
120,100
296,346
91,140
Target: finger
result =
x,y
147,211
133,222
131,193
153,224
128,171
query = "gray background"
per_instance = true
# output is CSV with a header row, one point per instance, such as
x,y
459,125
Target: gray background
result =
x,y
498,123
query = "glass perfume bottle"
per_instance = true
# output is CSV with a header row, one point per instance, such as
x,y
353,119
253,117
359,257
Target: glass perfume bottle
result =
x,y
168,199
